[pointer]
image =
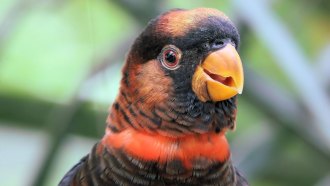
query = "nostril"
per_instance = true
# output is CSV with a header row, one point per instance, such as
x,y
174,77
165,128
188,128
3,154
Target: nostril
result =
x,y
219,43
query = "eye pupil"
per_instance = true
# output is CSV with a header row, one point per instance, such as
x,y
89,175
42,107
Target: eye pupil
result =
x,y
170,57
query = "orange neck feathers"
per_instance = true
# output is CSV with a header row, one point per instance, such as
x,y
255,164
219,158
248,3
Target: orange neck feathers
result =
x,y
155,147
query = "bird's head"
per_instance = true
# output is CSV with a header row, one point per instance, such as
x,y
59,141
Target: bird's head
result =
x,y
183,73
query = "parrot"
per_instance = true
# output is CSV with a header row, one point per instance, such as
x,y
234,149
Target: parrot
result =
x,y
176,101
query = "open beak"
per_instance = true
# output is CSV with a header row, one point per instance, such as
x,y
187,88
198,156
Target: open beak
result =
x,y
219,76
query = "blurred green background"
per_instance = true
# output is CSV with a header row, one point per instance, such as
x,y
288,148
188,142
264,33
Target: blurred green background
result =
x,y
60,66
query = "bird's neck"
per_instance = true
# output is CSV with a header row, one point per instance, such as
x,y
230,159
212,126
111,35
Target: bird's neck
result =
x,y
186,156
137,131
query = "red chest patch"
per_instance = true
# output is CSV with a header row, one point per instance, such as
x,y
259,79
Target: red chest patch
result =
x,y
155,147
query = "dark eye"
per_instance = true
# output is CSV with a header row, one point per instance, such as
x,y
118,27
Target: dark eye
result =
x,y
170,57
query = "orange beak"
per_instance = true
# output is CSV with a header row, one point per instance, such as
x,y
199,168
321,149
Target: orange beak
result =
x,y
220,76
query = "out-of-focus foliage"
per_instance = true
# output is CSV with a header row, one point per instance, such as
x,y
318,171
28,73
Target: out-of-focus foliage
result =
x,y
56,53
55,44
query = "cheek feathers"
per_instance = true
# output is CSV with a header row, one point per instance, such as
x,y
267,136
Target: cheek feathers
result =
x,y
151,85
